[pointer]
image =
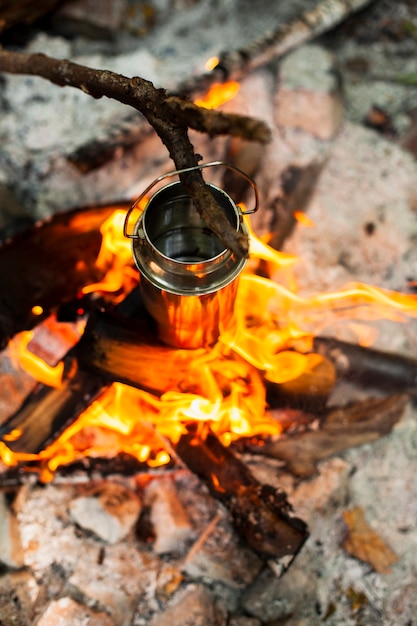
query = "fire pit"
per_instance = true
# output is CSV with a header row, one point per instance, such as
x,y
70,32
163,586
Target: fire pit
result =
x,y
127,453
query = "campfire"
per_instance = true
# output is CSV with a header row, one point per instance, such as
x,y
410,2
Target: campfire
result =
x,y
165,391
121,390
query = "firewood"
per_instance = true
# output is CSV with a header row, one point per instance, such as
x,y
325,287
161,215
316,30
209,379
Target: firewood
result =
x,y
370,367
48,411
343,428
261,514
126,350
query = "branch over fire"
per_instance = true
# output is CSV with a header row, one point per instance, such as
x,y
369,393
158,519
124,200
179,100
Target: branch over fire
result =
x,y
168,115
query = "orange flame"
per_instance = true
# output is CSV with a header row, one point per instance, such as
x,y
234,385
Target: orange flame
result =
x,y
40,370
115,256
218,94
269,322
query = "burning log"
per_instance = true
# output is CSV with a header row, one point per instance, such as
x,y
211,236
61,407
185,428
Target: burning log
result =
x,y
261,514
126,350
370,367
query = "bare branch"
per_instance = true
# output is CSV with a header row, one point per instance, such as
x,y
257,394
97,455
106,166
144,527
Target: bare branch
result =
x,y
171,118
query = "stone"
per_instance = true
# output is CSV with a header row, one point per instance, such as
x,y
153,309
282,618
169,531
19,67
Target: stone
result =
x,y
18,593
109,511
270,598
325,493
66,611
169,519
103,595
218,556
11,551
194,605
309,94
99,19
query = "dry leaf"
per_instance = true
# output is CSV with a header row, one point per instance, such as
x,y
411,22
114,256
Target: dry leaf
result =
x,y
365,544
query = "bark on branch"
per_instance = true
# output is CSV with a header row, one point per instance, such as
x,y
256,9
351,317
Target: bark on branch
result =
x,y
171,118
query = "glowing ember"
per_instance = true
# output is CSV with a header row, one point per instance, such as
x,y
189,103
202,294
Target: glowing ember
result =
x,y
211,63
303,219
270,339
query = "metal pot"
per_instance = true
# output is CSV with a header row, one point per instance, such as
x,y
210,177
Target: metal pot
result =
x,y
188,278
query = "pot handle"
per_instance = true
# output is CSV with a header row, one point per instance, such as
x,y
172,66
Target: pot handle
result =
x,y
183,171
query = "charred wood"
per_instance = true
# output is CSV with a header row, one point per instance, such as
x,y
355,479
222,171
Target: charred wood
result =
x,y
370,367
79,471
343,428
261,514
48,411
297,188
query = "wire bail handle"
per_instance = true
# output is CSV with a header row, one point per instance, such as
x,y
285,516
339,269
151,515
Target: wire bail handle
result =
x,y
183,171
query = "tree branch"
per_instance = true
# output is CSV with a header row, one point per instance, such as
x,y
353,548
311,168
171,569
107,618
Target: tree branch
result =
x,y
171,117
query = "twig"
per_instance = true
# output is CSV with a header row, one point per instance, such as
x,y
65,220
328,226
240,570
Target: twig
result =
x,y
169,116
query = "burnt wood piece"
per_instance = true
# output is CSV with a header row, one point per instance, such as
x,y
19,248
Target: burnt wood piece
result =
x,y
342,428
48,411
48,265
370,367
260,513
297,186
81,470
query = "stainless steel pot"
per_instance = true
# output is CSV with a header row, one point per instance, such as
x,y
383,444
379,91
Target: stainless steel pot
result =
x,y
188,278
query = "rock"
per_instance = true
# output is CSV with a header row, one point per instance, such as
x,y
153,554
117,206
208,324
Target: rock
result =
x,y
90,18
11,552
18,593
65,611
193,606
109,511
169,519
309,95
272,599
104,596
325,493
219,557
